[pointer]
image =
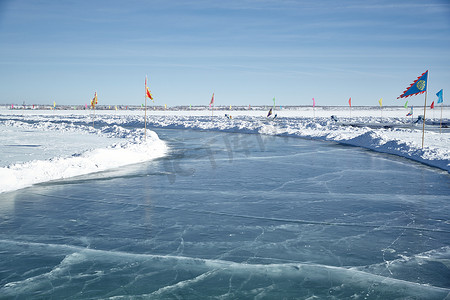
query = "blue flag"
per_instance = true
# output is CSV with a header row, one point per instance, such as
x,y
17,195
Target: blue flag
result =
x,y
410,112
440,95
417,87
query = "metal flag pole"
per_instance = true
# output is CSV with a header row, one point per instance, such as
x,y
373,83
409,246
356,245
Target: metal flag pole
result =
x,y
440,127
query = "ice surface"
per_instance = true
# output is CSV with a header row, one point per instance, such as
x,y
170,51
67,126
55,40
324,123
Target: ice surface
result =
x,y
225,213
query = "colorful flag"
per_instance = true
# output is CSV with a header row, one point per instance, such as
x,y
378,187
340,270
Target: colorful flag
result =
x,y
212,101
54,104
381,102
419,86
410,112
440,95
406,104
350,102
432,105
273,101
148,94
94,101
270,113
314,103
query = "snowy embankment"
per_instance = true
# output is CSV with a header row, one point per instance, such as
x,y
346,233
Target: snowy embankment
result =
x,y
394,135
77,150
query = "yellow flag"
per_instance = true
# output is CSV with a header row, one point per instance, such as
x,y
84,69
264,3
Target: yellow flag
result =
x,y
94,100
381,102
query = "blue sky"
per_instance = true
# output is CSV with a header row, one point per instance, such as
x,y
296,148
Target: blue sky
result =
x,y
245,51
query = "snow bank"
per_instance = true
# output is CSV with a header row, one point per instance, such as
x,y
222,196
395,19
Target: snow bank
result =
x,y
398,137
132,148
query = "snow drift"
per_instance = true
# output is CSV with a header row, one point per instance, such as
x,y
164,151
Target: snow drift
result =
x,y
133,148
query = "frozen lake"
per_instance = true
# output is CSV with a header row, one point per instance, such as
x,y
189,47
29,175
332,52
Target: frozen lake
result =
x,y
233,216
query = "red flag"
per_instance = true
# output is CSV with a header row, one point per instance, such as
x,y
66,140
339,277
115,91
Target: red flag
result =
x,y
432,105
212,101
148,94
350,102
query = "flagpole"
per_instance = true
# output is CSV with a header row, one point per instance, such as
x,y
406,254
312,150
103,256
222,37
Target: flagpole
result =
x,y
274,106
350,104
381,110
93,106
145,119
424,110
145,109
412,118
314,108
211,104
440,127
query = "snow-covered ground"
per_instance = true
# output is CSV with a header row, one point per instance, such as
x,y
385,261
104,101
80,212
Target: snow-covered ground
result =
x,y
39,146
36,150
